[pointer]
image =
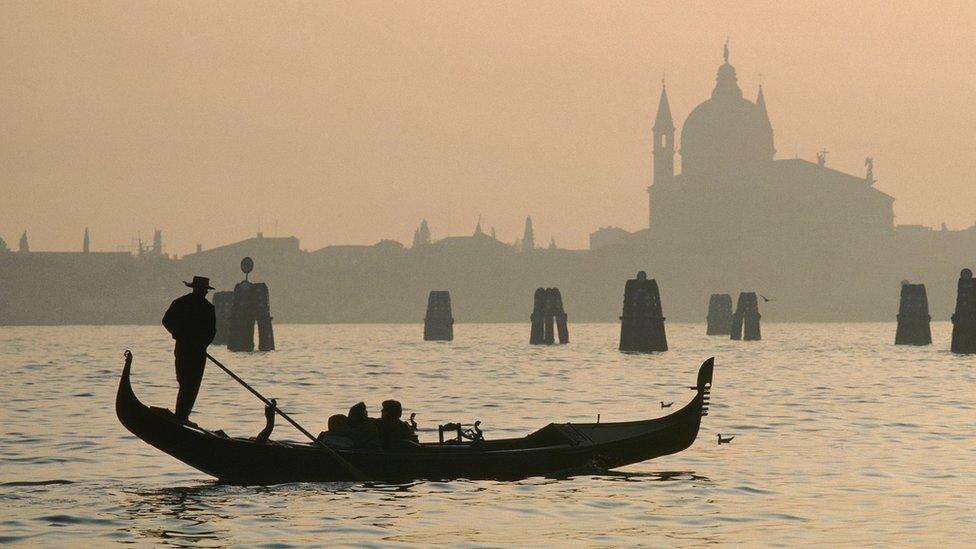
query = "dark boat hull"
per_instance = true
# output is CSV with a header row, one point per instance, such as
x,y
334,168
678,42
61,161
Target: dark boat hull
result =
x,y
557,450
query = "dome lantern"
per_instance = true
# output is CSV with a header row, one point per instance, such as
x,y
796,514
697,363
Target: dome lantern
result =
x,y
727,133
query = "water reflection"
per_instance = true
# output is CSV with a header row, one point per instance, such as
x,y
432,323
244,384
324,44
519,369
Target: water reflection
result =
x,y
662,476
185,515
210,514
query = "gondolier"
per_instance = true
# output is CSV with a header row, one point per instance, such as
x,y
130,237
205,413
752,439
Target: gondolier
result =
x,y
192,322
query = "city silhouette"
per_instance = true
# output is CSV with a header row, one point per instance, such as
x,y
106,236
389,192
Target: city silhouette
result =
x,y
736,216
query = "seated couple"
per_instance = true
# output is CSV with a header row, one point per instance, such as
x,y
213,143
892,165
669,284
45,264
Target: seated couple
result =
x,y
363,430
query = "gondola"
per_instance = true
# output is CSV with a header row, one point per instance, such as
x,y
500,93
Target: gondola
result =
x,y
556,450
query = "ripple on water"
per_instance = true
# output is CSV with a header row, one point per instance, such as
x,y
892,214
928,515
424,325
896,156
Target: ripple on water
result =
x,y
842,438
26,483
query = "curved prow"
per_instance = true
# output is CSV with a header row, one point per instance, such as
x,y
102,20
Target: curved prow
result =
x,y
705,383
124,382
124,397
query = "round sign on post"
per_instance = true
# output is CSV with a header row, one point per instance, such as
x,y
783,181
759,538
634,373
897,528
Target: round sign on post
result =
x,y
247,265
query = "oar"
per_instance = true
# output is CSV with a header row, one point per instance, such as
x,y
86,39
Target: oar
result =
x,y
350,468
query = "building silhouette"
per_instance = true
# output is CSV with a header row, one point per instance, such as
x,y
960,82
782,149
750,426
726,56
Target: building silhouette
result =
x,y
732,191
606,237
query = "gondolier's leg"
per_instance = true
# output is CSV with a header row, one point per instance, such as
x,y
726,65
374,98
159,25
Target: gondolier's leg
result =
x,y
189,373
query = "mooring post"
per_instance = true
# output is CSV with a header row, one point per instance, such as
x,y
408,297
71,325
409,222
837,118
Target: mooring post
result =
x,y
537,333
745,320
735,330
964,317
250,305
262,313
548,318
549,335
751,318
719,319
241,335
561,317
439,324
913,316
642,321
223,303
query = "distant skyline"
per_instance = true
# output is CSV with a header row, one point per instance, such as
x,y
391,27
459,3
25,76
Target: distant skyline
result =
x,y
349,123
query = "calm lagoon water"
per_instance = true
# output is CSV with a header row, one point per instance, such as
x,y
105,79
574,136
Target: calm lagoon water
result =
x,y
840,438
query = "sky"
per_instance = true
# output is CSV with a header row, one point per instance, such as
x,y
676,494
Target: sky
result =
x,y
349,122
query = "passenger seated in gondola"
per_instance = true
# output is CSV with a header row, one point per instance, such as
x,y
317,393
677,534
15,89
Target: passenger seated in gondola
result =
x,y
357,428
361,428
392,428
337,423
359,420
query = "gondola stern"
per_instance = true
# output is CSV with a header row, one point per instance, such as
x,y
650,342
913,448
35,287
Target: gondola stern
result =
x,y
705,374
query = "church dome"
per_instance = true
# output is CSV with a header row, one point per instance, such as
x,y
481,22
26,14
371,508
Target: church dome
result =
x,y
726,133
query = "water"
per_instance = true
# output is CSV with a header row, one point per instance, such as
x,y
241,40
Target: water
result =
x,y
840,438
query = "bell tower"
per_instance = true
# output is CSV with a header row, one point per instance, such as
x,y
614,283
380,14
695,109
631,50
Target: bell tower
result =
x,y
663,149
663,140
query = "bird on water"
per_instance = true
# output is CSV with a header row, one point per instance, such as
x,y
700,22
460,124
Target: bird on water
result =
x,y
725,440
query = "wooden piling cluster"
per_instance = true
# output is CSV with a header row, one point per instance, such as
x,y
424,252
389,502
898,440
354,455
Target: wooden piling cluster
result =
x,y
964,317
719,317
548,316
438,323
263,317
223,303
251,306
745,320
642,321
913,316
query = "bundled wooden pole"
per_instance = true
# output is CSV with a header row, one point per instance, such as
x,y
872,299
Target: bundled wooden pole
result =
x,y
438,323
537,335
745,320
913,316
719,317
642,321
964,317
548,318
223,303
562,325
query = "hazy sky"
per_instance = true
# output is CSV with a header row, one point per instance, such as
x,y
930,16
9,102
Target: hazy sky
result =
x,y
349,122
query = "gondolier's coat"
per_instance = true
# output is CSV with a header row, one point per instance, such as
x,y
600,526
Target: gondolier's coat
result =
x,y
192,322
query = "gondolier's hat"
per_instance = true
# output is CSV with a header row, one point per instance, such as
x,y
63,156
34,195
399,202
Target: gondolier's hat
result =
x,y
199,282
